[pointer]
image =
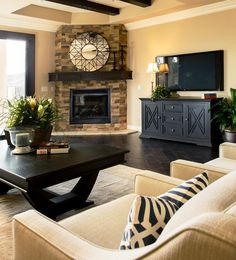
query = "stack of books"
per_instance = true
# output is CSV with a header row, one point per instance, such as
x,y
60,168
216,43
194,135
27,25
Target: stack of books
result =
x,y
209,96
53,148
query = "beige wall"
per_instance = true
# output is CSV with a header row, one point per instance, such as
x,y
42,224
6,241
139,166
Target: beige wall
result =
x,y
44,63
209,32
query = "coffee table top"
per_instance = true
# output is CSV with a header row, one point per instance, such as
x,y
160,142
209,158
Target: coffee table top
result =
x,y
37,171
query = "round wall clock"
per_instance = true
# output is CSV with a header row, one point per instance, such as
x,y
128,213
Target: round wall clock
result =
x,y
89,51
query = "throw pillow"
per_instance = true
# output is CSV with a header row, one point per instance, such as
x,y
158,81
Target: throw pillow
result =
x,y
186,190
149,215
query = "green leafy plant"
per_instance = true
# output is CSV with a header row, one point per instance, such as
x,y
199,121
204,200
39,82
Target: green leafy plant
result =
x,y
160,92
224,112
33,112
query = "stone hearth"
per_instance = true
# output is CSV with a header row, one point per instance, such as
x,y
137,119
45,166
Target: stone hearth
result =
x,y
116,36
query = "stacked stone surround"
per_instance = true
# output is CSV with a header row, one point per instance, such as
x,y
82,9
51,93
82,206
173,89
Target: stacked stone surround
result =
x,y
116,36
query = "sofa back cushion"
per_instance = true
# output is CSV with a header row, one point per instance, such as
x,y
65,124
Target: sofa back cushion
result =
x,y
217,197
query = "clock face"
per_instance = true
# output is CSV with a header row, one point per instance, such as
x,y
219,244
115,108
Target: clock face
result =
x,y
89,51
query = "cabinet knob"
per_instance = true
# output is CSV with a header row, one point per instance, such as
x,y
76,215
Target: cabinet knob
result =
x,y
172,130
172,107
172,118
186,119
158,117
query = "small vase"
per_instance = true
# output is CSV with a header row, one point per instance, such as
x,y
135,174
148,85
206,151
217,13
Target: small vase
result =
x,y
41,135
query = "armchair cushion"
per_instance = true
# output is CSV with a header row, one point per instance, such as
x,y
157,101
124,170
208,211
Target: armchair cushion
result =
x,y
149,215
223,163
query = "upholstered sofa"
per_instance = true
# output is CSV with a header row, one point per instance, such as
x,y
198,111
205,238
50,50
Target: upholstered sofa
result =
x,y
225,163
203,228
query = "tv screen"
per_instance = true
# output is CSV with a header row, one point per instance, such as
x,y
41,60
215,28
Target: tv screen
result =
x,y
203,71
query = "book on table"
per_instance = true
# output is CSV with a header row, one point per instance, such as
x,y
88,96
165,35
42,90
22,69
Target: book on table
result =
x,y
53,148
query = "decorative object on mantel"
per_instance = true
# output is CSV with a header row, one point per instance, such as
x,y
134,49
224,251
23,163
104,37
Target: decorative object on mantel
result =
x,y
21,138
224,113
122,57
160,92
152,68
89,51
114,60
39,114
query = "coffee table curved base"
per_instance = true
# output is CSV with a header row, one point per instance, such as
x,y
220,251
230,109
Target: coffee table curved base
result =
x,y
4,188
52,204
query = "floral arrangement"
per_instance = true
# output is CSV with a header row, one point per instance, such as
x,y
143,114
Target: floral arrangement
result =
x,y
33,112
160,92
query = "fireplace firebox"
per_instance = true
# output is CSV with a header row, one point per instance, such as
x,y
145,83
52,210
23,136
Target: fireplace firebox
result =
x,y
90,106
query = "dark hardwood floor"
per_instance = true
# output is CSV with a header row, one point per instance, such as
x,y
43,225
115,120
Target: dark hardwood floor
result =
x,y
152,154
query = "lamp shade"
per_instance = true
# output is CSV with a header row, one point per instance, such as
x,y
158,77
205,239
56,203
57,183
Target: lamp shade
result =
x,y
163,68
152,67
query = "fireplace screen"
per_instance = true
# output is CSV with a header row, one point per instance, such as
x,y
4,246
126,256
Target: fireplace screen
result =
x,y
90,106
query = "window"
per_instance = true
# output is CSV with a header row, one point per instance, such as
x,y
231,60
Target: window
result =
x,y
17,66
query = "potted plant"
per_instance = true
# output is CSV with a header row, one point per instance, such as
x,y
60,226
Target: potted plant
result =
x,y
39,114
224,114
160,92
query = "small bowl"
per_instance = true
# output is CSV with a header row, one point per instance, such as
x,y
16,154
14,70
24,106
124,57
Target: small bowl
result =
x,y
21,138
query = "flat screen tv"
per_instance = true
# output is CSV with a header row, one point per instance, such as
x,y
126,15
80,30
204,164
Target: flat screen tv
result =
x,y
202,71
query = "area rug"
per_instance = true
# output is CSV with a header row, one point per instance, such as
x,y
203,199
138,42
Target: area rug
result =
x,y
112,183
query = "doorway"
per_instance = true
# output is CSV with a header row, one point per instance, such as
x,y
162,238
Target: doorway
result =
x,y
17,67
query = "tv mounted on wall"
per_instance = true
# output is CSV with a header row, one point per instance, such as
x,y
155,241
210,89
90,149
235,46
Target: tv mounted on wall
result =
x,y
202,71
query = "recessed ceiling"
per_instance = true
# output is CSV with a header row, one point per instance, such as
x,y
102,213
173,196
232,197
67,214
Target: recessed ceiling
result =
x,y
46,13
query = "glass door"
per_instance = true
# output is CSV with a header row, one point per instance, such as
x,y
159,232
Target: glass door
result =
x,y
12,68
17,68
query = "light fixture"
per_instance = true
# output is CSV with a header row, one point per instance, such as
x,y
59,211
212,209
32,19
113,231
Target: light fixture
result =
x,y
163,69
152,68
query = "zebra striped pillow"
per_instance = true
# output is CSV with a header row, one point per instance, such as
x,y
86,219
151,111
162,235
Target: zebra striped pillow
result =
x,y
149,215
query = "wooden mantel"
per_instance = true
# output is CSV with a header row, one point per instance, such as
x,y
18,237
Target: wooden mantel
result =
x,y
87,76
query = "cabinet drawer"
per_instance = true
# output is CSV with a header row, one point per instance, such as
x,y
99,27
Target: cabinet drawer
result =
x,y
172,118
172,107
172,130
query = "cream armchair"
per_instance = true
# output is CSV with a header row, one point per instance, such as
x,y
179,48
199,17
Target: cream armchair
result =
x,y
225,163
203,228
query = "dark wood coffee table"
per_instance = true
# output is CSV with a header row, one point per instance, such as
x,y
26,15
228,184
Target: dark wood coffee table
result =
x,y
32,174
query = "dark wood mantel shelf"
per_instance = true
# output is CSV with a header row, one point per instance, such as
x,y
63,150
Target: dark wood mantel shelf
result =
x,y
87,76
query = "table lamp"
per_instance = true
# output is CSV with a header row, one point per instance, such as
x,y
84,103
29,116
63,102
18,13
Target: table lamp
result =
x,y
152,68
163,69
21,138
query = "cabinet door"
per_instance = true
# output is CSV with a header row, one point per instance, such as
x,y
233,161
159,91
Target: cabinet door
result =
x,y
197,120
151,119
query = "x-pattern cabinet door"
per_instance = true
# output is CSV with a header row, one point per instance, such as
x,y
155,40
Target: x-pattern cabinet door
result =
x,y
197,120
151,118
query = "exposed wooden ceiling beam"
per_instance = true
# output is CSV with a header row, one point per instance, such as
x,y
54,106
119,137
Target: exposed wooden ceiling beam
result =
x,y
88,5
142,3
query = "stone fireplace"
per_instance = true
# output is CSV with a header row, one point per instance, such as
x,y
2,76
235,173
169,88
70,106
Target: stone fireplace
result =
x,y
91,100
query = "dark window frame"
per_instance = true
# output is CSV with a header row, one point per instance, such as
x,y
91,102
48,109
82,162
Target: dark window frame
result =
x,y
30,57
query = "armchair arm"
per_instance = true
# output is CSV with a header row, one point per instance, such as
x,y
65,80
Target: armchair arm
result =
x,y
187,169
149,183
38,237
227,150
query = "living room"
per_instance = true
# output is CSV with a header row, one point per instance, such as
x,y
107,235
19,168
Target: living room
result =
x,y
162,29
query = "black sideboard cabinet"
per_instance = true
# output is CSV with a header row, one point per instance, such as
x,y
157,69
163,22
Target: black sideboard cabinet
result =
x,y
180,119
